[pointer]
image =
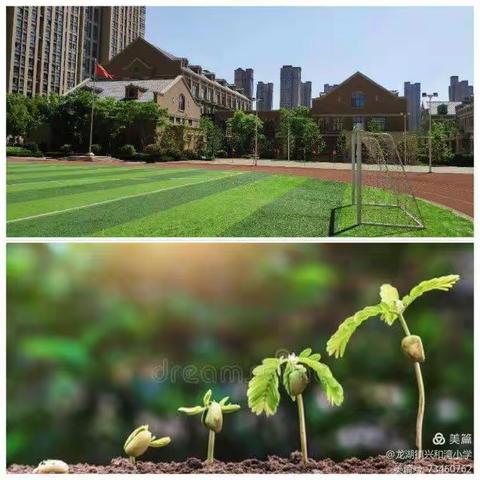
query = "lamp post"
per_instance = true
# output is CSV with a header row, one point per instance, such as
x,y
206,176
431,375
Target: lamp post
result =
x,y
256,100
429,96
405,116
288,138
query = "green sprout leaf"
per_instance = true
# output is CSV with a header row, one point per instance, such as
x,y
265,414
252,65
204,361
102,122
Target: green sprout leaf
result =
x,y
306,352
192,410
389,294
209,404
333,390
444,283
230,408
338,342
263,394
207,397
160,442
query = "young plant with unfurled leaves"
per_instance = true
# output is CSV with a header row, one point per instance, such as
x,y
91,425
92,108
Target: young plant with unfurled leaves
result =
x,y
390,309
140,440
212,417
263,389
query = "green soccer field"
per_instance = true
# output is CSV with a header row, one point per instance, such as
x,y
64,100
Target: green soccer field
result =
x,y
54,200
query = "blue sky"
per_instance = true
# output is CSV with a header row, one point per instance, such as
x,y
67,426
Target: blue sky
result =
x,y
389,44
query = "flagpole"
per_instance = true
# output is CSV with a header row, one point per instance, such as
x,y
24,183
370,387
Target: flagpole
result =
x,y
90,153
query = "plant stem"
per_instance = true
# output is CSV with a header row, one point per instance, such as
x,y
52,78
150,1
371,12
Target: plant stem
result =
x,y
211,446
303,430
421,408
132,460
404,325
421,395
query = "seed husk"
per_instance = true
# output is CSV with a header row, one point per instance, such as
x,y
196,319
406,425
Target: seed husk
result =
x,y
51,466
412,347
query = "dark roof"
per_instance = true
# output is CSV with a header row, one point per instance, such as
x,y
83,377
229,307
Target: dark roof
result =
x,y
116,88
356,74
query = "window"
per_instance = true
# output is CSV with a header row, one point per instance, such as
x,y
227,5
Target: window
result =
x,y
358,100
358,122
322,124
181,102
131,92
337,124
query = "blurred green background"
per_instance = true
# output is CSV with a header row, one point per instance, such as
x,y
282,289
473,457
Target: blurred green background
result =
x,y
104,337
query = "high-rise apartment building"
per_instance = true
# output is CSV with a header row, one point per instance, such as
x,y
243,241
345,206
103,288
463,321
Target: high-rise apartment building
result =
x,y
412,92
265,92
458,91
244,80
290,80
327,87
306,94
51,49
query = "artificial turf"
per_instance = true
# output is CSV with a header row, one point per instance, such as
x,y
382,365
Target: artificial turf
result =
x,y
55,200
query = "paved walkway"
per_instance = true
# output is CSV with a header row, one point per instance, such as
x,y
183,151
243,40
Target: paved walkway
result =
x,y
451,187
328,165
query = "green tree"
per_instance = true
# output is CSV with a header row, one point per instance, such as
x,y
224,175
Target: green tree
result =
x,y
71,119
298,128
212,137
241,131
374,126
443,134
19,115
409,149
312,140
341,145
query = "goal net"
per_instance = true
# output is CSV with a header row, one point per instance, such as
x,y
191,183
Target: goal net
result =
x,y
381,192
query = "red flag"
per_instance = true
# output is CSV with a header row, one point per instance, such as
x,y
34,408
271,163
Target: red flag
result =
x,y
102,73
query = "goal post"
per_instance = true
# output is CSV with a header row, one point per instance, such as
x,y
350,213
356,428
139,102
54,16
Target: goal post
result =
x,y
381,191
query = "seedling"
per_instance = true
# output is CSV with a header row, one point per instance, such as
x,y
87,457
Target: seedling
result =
x,y
390,309
263,389
212,417
140,440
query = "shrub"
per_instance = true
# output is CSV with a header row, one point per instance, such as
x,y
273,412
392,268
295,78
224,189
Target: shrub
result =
x,y
190,155
141,157
32,146
96,148
174,153
222,154
165,158
153,149
126,151
22,152
462,160
66,149
54,154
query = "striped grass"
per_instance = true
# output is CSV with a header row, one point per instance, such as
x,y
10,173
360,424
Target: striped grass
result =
x,y
54,200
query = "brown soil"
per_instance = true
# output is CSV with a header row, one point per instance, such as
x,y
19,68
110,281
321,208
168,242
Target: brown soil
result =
x,y
273,464
452,190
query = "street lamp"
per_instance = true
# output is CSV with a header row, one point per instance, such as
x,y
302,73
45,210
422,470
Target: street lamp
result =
x,y
256,100
429,96
405,116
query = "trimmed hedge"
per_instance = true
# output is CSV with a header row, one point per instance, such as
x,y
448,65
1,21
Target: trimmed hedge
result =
x,y
23,152
461,160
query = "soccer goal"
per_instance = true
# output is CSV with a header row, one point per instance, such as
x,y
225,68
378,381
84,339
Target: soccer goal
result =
x,y
381,192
